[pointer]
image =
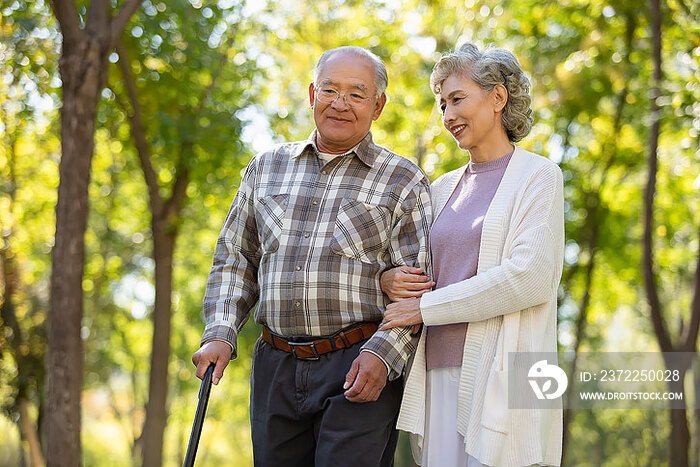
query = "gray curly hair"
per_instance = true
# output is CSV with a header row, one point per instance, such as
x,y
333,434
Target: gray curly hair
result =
x,y
381,77
487,69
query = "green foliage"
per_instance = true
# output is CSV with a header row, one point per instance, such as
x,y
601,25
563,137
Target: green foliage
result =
x,y
28,180
190,88
618,438
217,81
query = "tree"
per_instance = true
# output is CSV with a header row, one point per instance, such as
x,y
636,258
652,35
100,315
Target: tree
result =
x,y
196,133
27,362
679,442
83,66
596,213
27,69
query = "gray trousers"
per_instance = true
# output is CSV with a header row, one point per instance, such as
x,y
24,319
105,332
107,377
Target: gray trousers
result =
x,y
300,417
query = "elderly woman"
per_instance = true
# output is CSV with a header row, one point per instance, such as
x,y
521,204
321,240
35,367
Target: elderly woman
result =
x,y
497,246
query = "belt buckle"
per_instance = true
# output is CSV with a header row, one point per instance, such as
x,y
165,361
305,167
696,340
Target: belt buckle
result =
x,y
312,346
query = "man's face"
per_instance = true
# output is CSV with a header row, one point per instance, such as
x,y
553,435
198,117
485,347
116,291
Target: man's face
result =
x,y
341,126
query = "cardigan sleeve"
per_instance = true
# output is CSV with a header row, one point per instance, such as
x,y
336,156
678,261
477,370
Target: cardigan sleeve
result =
x,y
530,267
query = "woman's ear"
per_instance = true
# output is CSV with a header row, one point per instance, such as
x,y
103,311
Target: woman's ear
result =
x,y
499,97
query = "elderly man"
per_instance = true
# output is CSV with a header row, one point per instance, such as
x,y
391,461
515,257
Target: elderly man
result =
x,y
312,227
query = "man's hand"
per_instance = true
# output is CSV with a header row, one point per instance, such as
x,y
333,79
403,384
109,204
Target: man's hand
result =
x,y
217,352
404,282
366,378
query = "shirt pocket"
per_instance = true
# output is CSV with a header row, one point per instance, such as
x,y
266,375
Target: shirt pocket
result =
x,y
361,231
271,215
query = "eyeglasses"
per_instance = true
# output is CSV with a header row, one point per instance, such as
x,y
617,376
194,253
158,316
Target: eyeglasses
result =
x,y
352,99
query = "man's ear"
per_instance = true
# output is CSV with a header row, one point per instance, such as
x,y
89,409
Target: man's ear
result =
x,y
379,106
499,97
311,94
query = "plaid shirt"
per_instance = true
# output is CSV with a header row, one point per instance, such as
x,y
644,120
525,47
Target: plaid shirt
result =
x,y
309,240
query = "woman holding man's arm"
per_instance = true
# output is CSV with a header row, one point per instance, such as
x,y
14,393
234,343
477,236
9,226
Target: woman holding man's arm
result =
x,y
497,247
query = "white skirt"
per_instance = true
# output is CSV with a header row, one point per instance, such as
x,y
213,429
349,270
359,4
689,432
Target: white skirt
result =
x,y
442,445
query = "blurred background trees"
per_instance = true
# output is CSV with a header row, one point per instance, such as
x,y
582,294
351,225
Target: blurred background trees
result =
x,y
193,89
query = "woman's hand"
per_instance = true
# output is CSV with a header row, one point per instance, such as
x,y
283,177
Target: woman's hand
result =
x,y
404,282
403,313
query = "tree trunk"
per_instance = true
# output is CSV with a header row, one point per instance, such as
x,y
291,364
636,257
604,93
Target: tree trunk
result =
x,y
680,434
165,215
156,416
164,231
16,341
680,438
583,315
679,441
696,462
83,69
596,220
10,277
82,72
29,433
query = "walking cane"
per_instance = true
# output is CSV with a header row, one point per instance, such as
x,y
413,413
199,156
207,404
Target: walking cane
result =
x,y
204,391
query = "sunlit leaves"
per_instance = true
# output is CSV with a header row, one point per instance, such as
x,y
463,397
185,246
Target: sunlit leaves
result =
x,y
218,81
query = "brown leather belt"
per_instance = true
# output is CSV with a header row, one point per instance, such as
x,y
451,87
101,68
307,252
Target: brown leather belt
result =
x,y
311,350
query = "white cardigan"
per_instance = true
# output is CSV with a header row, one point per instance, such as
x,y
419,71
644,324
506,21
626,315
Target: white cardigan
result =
x,y
510,305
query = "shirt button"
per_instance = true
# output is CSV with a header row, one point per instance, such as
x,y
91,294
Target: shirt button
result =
x,y
323,172
298,269
306,235
314,203
298,304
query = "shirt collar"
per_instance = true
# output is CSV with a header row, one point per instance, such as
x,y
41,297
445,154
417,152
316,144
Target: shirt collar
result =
x,y
366,150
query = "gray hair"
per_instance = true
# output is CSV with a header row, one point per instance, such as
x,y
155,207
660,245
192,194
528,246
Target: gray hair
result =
x,y
381,78
487,69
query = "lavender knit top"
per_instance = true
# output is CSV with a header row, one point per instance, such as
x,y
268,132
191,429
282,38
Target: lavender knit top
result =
x,y
455,239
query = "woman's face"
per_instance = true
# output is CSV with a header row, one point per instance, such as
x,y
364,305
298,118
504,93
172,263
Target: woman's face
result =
x,y
472,115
